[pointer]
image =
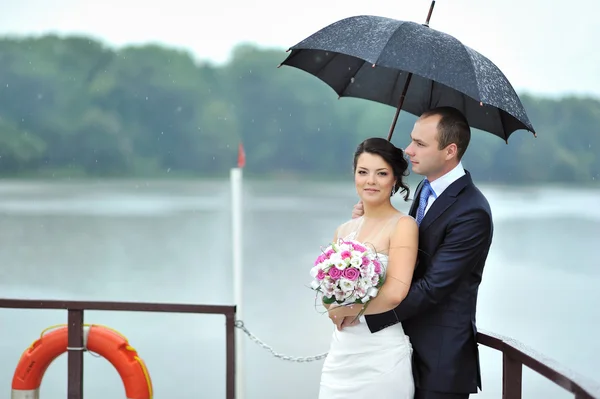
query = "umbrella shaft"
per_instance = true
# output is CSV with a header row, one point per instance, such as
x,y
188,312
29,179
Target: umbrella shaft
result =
x,y
400,103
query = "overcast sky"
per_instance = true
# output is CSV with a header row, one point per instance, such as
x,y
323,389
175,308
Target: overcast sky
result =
x,y
542,47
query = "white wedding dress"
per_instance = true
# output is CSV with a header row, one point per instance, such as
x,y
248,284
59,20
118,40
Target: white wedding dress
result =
x,y
365,365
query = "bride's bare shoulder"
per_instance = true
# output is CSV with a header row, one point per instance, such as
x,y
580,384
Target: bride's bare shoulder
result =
x,y
402,215
404,218
405,225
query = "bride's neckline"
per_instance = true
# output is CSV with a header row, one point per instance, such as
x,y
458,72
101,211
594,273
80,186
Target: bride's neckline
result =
x,y
353,234
361,220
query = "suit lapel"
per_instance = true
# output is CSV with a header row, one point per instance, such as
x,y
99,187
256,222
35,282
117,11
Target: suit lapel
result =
x,y
415,202
445,200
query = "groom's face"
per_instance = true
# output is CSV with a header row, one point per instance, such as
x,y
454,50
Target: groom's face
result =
x,y
425,156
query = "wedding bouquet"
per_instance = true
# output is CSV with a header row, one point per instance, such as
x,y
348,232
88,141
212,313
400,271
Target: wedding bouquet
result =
x,y
347,272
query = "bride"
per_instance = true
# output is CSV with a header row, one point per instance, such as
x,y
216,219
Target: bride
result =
x,y
361,364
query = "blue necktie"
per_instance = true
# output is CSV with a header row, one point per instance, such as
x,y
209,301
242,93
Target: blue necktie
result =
x,y
426,191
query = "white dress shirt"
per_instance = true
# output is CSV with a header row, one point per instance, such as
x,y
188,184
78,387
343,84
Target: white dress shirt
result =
x,y
439,185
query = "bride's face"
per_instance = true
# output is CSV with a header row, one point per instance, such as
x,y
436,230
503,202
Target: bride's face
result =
x,y
373,178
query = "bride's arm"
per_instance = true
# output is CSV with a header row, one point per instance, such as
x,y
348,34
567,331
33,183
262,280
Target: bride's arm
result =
x,y
401,265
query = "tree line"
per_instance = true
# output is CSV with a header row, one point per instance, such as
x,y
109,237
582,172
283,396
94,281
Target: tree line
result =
x,y
71,106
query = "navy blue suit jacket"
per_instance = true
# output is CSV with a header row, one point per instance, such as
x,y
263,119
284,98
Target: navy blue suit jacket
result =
x,y
438,313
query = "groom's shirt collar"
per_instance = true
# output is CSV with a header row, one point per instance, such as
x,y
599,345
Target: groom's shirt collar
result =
x,y
442,183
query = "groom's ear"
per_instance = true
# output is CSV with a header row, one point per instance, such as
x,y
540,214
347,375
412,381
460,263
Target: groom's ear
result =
x,y
451,151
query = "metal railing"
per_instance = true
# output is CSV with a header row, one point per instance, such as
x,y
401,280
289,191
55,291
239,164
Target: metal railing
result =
x,y
75,311
514,354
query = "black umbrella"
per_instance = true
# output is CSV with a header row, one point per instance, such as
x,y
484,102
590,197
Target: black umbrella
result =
x,y
376,58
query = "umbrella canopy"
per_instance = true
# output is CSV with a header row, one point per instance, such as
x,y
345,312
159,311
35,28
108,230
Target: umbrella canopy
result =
x,y
412,67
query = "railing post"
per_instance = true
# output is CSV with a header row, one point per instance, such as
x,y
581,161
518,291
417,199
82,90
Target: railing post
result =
x,y
75,354
230,354
514,358
512,377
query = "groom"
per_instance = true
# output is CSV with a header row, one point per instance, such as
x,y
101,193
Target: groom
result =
x,y
455,234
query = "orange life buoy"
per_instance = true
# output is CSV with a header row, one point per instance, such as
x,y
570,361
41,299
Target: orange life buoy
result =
x,y
102,340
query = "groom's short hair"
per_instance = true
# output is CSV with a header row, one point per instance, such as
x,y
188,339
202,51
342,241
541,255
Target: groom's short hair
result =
x,y
453,127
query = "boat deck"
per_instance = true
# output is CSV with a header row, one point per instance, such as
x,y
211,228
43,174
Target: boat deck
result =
x,y
514,354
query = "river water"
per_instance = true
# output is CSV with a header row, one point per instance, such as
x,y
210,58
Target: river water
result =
x,y
169,241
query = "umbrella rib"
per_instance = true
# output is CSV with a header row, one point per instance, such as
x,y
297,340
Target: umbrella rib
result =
x,y
354,75
431,92
404,39
497,108
399,72
502,124
336,54
472,67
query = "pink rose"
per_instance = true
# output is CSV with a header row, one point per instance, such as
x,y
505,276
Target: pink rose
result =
x,y
319,259
358,247
351,273
335,273
346,254
320,274
365,261
377,266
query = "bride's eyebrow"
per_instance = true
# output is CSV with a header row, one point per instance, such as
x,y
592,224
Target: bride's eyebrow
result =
x,y
377,170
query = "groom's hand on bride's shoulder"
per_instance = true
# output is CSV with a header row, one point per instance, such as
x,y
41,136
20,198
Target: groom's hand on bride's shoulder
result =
x,y
358,210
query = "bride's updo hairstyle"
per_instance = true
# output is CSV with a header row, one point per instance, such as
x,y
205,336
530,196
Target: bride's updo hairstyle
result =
x,y
392,155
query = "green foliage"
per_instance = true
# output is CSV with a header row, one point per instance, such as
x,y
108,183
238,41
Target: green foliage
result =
x,y
73,104
328,301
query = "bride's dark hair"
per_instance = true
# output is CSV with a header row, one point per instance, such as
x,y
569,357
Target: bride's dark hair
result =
x,y
391,154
